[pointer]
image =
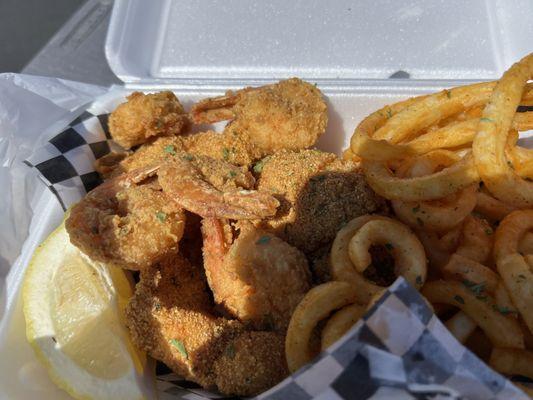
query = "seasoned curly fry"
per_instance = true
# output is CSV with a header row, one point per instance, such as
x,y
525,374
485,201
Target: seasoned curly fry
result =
x,y
409,256
490,142
340,323
317,304
502,330
512,266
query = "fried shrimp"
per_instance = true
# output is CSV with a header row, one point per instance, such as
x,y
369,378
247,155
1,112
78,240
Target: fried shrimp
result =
x,y
126,221
214,188
147,115
290,114
256,277
318,193
228,147
170,316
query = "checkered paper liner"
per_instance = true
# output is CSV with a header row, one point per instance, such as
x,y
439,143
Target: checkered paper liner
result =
x,y
398,350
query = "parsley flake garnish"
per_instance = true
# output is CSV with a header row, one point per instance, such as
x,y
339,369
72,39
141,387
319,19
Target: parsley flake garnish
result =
x,y
488,231
180,346
258,167
448,94
486,119
459,299
389,246
170,150
503,310
230,351
161,216
232,174
225,153
418,280
188,157
263,240
476,288
389,113
416,209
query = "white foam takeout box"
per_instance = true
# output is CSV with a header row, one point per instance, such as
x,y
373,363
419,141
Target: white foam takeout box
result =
x,y
361,54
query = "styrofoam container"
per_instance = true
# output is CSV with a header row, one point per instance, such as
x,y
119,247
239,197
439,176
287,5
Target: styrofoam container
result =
x,y
350,49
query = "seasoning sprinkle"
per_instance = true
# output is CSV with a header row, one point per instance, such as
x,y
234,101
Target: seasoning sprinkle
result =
x,y
225,153
170,150
263,240
258,167
459,299
161,216
180,346
230,351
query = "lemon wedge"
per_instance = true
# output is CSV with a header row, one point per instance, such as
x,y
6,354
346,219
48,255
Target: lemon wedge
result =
x,y
74,311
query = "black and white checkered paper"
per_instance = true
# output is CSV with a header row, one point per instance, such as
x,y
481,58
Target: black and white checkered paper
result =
x,y
398,350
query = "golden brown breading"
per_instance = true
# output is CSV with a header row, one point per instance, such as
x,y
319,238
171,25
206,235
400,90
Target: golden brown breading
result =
x,y
318,193
251,364
147,115
257,278
170,316
225,147
126,222
214,188
290,114
152,153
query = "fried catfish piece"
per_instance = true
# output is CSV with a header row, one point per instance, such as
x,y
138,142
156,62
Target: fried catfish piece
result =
x,y
144,116
170,317
318,193
252,363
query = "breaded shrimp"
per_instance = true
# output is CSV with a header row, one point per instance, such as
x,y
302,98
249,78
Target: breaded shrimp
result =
x,y
290,114
220,146
170,316
147,115
257,278
318,193
127,222
214,188
227,146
